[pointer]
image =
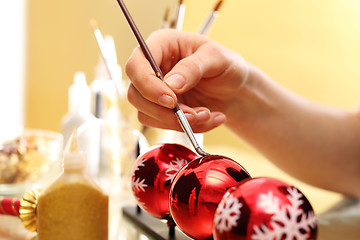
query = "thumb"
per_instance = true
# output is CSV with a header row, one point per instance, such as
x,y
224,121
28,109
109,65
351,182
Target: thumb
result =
x,y
207,61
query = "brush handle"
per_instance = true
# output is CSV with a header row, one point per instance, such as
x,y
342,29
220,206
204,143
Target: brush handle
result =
x,y
140,40
204,29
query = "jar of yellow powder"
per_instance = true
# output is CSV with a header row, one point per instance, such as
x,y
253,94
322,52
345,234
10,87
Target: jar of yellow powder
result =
x,y
74,207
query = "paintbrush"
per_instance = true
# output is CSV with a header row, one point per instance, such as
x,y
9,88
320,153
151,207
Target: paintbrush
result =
x,y
204,29
178,21
108,56
177,110
165,22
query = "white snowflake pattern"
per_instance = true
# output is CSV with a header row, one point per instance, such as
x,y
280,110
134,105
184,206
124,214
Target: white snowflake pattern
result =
x,y
138,184
140,164
289,221
269,203
227,214
174,168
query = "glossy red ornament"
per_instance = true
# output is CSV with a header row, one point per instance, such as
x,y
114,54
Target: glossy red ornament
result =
x,y
198,188
9,206
264,208
152,175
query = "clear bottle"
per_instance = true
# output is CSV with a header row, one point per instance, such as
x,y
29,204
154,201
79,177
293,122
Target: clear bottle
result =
x,y
73,207
79,116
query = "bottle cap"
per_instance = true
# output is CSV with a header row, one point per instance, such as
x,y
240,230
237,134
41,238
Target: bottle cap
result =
x,y
73,157
79,94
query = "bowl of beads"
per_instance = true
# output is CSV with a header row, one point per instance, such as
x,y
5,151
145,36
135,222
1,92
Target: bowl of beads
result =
x,y
29,159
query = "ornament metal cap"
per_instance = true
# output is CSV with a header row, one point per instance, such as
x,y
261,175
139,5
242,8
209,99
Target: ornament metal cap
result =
x,y
27,211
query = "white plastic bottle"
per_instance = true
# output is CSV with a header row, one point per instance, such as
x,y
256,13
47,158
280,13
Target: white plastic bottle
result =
x,y
80,117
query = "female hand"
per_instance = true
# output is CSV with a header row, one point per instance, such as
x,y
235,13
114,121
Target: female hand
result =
x,y
199,74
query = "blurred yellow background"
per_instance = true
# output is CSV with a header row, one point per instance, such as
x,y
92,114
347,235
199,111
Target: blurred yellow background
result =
x,y
310,47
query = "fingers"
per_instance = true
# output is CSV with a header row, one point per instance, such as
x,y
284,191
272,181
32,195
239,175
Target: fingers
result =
x,y
208,61
155,111
166,54
215,120
198,123
151,114
147,84
205,120
185,59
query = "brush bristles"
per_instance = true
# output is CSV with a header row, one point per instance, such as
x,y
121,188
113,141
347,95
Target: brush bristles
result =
x,y
93,24
166,14
218,5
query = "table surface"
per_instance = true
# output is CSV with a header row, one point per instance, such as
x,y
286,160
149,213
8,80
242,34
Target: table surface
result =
x,y
338,217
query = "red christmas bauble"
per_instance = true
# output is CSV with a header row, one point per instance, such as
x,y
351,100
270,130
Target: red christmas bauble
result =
x,y
198,188
152,174
264,208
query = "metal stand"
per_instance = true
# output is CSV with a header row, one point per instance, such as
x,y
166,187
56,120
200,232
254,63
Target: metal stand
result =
x,y
158,229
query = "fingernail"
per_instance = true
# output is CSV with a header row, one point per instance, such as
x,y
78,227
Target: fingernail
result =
x,y
190,117
202,115
175,81
166,101
219,119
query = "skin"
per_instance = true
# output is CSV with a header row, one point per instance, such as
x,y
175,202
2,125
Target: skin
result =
x,y
213,85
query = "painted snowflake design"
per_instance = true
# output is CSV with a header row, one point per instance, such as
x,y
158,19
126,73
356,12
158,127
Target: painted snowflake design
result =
x,y
227,214
269,203
290,220
138,184
140,164
174,168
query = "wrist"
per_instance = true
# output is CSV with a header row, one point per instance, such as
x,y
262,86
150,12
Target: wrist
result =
x,y
251,102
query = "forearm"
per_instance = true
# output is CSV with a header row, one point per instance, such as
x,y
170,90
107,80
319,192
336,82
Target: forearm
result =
x,y
317,144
